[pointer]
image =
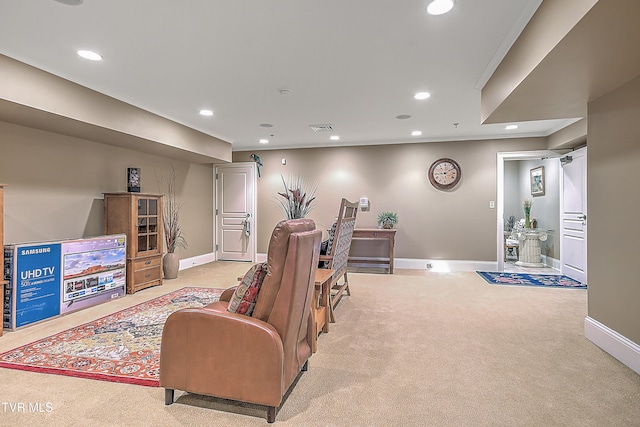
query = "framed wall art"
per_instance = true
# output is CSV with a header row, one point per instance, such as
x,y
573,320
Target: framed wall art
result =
x,y
537,181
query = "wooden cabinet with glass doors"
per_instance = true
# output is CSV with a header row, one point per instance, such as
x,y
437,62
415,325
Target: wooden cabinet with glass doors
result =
x,y
139,216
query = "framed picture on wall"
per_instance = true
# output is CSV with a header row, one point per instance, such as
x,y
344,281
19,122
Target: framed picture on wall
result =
x,y
537,181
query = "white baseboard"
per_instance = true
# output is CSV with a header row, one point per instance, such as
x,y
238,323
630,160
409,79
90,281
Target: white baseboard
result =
x,y
459,265
444,265
551,262
197,260
421,264
620,347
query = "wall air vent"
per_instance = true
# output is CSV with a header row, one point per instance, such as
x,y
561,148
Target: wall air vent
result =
x,y
321,128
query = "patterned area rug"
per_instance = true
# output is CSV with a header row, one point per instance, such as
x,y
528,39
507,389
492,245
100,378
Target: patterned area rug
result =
x,y
123,347
523,279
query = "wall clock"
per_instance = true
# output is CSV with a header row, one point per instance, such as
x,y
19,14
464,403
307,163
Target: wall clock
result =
x,y
444,174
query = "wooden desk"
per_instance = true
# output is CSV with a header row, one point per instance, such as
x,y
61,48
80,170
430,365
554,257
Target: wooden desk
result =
x,y
375,234
320,304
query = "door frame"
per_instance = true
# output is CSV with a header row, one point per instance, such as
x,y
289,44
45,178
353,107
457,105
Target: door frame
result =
x,y
501,158
253,247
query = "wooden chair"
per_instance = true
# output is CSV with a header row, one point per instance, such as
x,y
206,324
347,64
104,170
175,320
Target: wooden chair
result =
x,y
338,253
511,239
511,244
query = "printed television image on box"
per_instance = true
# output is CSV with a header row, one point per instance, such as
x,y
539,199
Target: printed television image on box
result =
x,y
53,278
93,270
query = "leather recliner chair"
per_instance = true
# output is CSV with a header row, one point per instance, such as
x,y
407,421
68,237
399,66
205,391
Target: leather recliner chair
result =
x,y
255,359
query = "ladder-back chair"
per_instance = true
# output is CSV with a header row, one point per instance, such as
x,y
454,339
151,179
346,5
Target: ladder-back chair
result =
x,y
338,253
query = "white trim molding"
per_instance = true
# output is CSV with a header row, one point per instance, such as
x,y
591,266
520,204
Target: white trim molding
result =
x,y
197,260
620,347
443,265
435,265
551,262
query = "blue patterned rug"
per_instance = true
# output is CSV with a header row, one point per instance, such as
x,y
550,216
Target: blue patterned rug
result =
x,y
523,279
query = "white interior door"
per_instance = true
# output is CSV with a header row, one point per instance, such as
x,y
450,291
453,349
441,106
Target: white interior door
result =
x,y
235,211
573,222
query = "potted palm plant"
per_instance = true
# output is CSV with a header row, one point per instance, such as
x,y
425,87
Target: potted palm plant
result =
x,y
298,197
173,235
387,219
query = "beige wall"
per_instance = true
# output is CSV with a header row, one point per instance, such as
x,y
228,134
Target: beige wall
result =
x,y
455,225
55,185
551,23
613,205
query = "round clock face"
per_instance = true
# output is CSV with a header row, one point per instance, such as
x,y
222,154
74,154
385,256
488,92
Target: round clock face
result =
x,y
445,174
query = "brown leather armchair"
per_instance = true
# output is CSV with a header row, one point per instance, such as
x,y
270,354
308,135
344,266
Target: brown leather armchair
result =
x,y
256,358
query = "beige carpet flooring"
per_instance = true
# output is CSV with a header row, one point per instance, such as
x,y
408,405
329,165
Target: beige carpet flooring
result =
x,y
412,349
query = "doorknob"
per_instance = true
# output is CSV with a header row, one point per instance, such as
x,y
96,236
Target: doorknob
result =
x,y
247,226
582,217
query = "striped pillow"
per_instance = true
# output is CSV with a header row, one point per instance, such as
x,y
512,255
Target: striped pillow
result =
x,y
246,294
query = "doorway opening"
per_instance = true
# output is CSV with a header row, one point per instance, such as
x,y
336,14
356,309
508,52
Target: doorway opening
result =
x,y
516,172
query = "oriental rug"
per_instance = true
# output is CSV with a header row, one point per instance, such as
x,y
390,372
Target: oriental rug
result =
x,y
122,347
524,279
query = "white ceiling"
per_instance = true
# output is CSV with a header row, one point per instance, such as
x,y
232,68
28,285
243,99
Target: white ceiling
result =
x,y
354,64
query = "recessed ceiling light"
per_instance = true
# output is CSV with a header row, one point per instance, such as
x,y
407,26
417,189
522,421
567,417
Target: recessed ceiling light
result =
x,y
334,138
511,127
439,7
422,95
206,113
416,133
89,54
403,117
264,141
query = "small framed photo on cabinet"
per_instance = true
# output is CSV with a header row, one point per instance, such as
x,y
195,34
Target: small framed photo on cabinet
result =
x,y
133,180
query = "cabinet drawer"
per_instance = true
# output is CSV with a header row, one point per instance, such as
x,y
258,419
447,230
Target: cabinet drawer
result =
x,y
140,264
146,275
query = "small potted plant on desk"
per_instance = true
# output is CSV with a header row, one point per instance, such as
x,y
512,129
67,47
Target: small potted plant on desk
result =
x,y
387,220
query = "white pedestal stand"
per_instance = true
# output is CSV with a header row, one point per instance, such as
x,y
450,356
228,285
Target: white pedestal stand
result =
x,y
530,254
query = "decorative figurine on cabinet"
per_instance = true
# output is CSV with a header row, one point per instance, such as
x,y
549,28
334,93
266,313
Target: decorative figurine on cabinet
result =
x,y
133,180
